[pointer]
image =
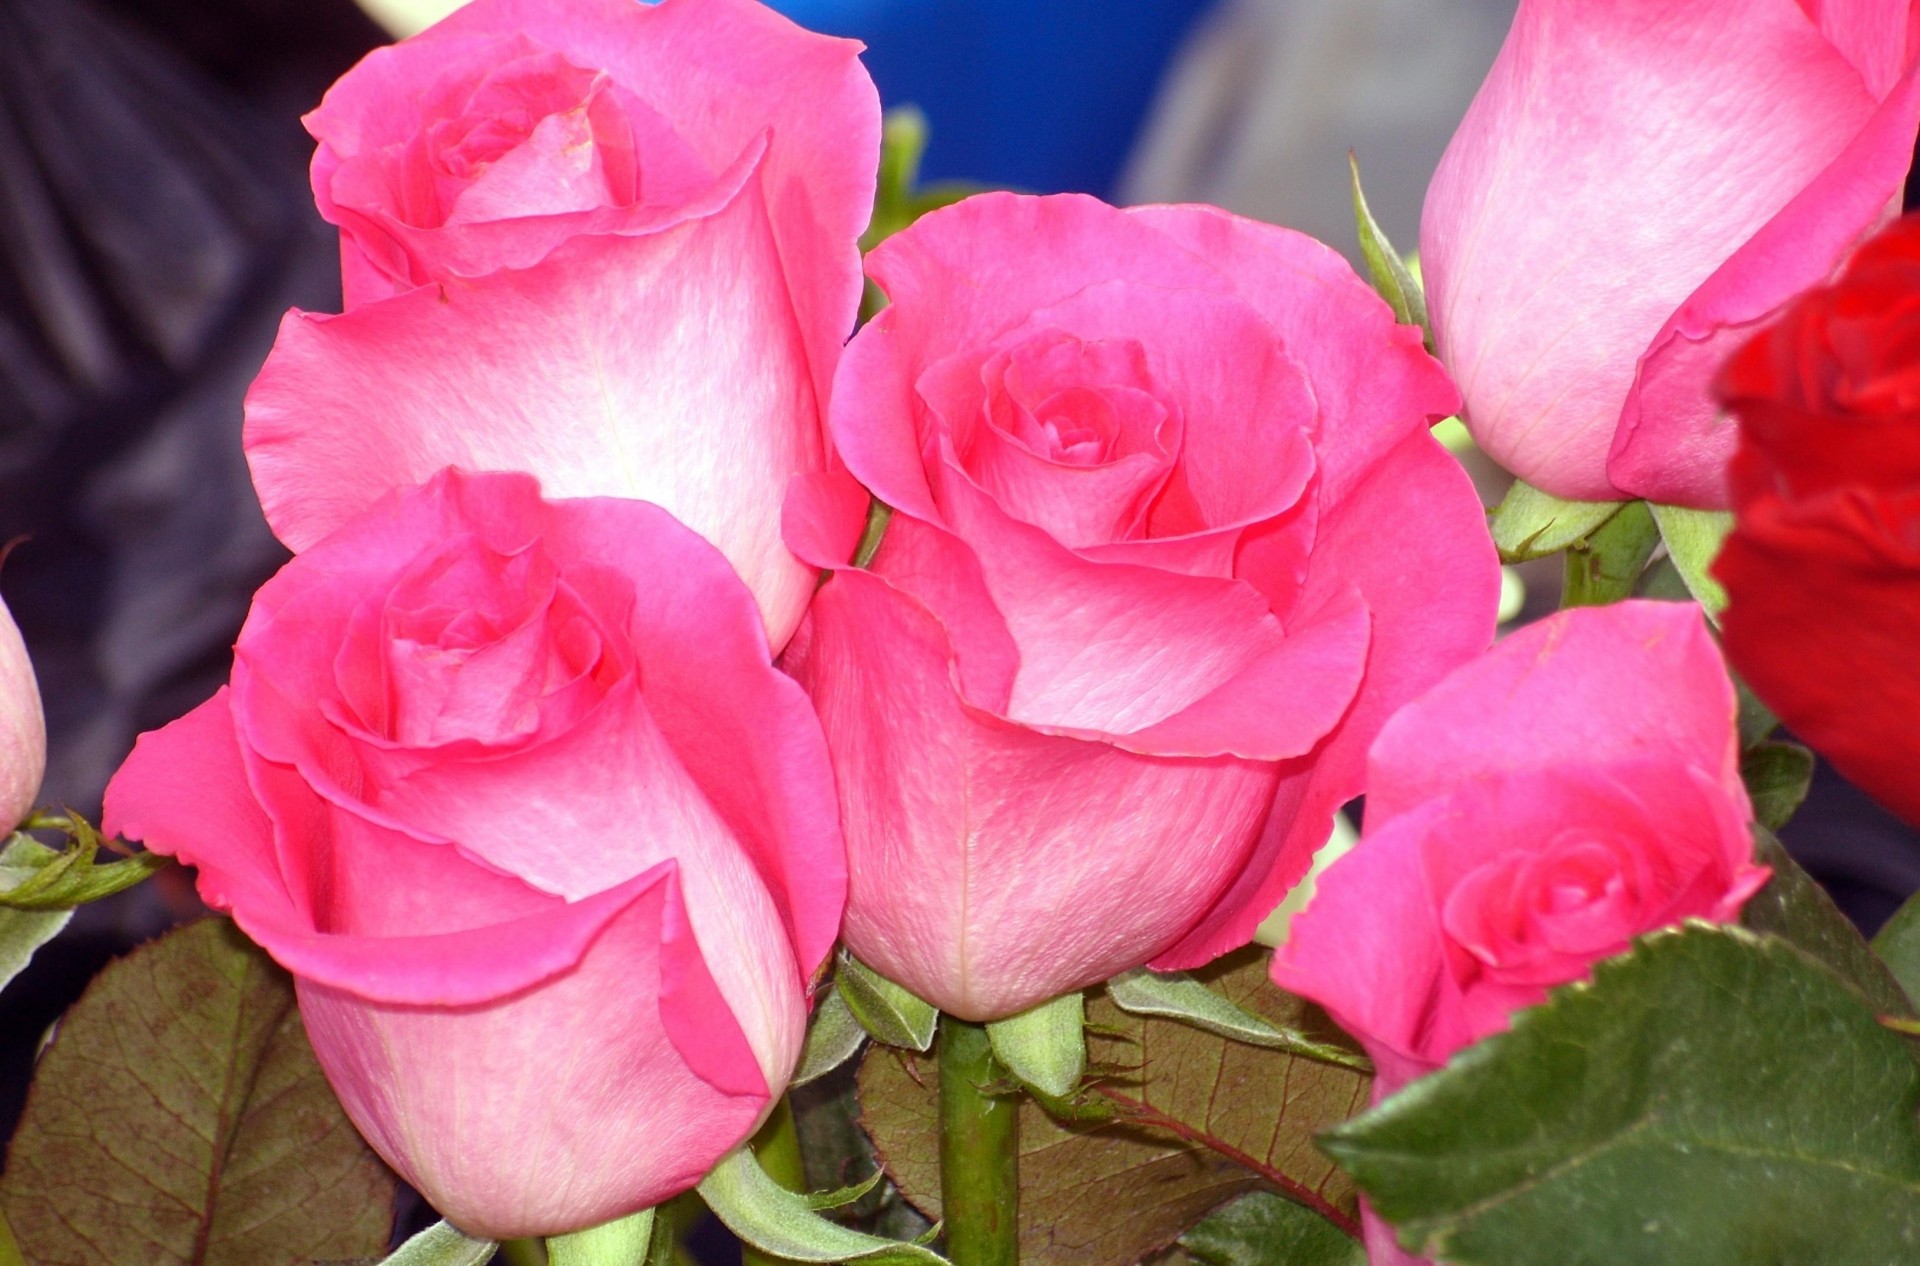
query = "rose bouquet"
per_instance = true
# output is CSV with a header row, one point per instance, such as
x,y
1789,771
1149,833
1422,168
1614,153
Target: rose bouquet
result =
x,y
885,773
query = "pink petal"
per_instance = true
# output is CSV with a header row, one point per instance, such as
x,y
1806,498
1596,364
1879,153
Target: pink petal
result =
x,y
942,573
1431,596
220,829
1632,681
1368,946
591,1111
1674,443
1563,228
992,867
954,286
743,731
1113,648
723,72
587,372
1372,381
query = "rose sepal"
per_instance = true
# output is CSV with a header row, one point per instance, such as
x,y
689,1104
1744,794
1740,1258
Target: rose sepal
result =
x,y
621,1242
1177,996
442,1244
1044,1046
783,1223
1530,524
890,1013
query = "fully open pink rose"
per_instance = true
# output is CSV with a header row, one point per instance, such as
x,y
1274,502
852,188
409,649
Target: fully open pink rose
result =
x,y
609,243
1639,185
1170,539
1574,788
512,788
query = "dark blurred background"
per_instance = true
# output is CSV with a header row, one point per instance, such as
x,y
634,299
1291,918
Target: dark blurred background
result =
x,y
155,222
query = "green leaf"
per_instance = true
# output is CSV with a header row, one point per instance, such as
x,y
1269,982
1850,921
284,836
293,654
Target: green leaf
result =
x,y
1693,539
178,1116
1264,1230
886,1010
1391,277
777,1221
1178,996
1200,1120
1898,945
1712,1098
1531,524
1795,908
1045,1046
622,1242
24,931
1777,777
832,1038
441,1245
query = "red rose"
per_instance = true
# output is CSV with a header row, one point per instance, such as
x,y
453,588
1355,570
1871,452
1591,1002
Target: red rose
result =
x,y
1823,568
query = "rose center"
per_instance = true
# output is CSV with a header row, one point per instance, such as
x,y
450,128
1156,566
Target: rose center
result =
x,y
470,644
1537,914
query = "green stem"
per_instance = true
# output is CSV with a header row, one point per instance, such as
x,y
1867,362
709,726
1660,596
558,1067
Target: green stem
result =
x,y
777,1148
1603,567
979,1152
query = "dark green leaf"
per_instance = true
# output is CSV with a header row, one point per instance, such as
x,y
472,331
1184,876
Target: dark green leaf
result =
x,y
179,1117
1798,910
1756,720
1265,1230
1898,945
1777,777
1712,1098
1200,1119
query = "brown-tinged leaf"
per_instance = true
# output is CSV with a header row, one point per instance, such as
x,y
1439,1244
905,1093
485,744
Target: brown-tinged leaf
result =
x,y
179,1117
1204,1120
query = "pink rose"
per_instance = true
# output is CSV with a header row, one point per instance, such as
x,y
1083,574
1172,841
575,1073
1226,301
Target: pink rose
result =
x,y
23,727
1574,788
1170,540
1638,186
513,790
608,243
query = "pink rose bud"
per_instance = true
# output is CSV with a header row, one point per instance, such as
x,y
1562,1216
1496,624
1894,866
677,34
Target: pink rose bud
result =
x,y
1637,185
23,727
513,790
609,243
1170,540
1574,788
